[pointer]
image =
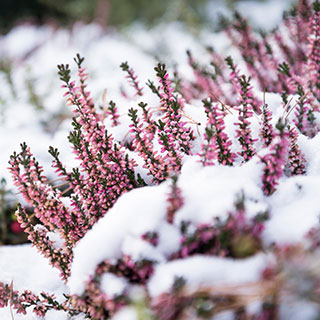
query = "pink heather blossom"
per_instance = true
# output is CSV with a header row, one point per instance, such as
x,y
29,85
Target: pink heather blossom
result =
x,y
275,160
244,134
132,78
314,51
266,128
296,160
218,144
142,143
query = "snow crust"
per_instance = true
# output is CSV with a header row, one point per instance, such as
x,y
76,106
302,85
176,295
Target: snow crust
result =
x,y
29,271
203,271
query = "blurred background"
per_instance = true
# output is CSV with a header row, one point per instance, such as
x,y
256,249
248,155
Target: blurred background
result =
x,y
115,13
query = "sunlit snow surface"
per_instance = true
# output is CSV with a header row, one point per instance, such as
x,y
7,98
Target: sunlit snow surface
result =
x,y
208,192
28,270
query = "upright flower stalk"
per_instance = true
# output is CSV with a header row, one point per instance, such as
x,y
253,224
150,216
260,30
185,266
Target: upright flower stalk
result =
x,y
245,109
296,160
48,208
175,129
142,143
276,159
207,81
314,51
217,145
108,170
266,128
112,110
132,78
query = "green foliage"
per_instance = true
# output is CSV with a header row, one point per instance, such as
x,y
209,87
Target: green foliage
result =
x,y
117,13
124,66
64,73
316,6
78,60
284,69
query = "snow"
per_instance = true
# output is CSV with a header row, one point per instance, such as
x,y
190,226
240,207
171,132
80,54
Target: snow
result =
x,y
293,213
132,215
112,285
309,148
261,14
260,10
126,314
296,211
212,191
24,279
28,270
143,210
200,271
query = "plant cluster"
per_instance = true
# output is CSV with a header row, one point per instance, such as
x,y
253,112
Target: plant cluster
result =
x,y
286,62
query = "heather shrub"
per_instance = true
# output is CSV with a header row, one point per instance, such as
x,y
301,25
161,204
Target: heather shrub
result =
x,y
175,199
